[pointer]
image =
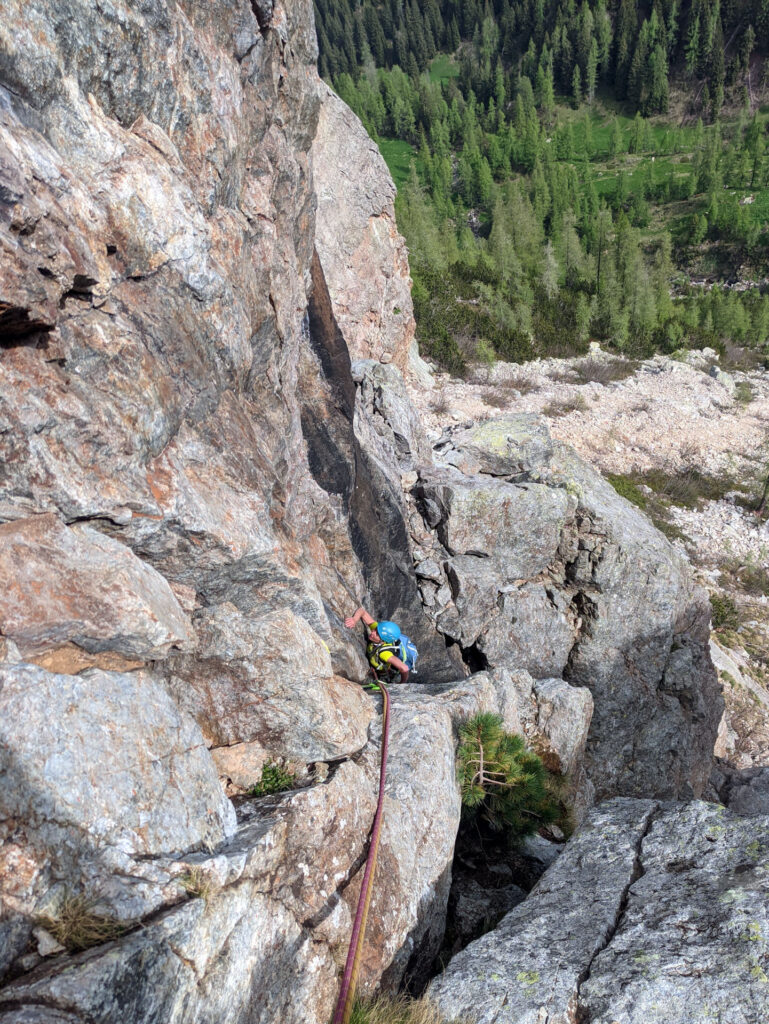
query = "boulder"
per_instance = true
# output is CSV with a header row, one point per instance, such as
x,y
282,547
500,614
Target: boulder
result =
x,y
534,961
236,954
535,628
517,527
510,446
650,914
421,818
72,587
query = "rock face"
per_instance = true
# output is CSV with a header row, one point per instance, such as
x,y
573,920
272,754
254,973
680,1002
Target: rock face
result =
x,y
73,587
64,822
547,569
363,256
650,914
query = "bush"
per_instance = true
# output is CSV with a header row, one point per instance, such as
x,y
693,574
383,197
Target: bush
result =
x,y
501,781
74,923
604,371
723,612
566,405
275,779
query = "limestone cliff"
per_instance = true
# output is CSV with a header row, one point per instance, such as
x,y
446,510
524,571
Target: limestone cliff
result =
x,y
203,471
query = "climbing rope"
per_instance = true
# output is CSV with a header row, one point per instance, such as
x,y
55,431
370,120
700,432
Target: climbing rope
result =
x,y
354,953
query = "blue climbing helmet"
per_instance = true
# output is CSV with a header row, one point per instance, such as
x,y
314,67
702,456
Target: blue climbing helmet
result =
x,y
389,632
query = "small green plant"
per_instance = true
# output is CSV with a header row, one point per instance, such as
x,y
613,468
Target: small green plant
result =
x,y
723,612
627,489
502,781
74,923
400,1009
744,392
275,779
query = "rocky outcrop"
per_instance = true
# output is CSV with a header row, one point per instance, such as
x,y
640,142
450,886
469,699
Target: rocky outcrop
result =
x,y
650,914
540,565
363,256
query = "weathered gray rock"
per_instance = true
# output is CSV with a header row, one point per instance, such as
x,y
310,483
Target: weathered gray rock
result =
x,y
363,256
643,647
473,909
649,914
268,681
235,955
510,446
100,771
556,574
693,942
724,379
531,966
535,629
73,586
518,528
421,818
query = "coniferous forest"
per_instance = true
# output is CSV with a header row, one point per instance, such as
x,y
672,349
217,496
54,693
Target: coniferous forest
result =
x,y
569,171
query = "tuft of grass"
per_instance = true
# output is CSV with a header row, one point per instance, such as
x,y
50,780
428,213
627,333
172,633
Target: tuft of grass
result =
x,y
75,924
723,612
276,778
744,393
494,399
562,407
519,382
400,1009
604,371
195,882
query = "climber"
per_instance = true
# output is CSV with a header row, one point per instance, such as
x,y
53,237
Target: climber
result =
x,y
384,644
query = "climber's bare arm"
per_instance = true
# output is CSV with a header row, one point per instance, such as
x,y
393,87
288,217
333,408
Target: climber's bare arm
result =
x,y
355,618
397,664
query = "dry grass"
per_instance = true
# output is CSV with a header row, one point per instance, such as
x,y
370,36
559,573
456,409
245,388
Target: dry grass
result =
x,y
441,404
562,407
494,399
604,371
399,1010
195,882
519,382
75,925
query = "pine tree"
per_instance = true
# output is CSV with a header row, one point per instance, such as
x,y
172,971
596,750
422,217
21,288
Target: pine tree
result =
x,y
500,780
576,86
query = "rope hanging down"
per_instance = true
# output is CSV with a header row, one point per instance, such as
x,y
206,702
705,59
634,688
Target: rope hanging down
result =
x,y
354,953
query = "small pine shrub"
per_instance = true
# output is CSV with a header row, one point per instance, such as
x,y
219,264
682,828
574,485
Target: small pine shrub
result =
x,y
723,614
502,781
74,923
275,779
